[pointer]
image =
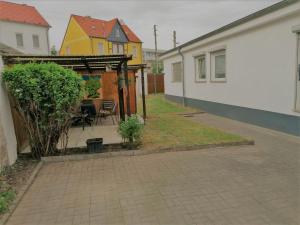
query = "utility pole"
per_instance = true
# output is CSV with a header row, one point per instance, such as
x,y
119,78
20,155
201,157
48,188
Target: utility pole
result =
x,y
156,59
174,39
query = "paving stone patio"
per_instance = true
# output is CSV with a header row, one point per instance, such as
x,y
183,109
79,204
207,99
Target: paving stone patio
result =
x,y
249,185
107,130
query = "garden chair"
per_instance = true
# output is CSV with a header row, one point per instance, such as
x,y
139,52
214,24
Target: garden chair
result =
x,y
89,109
109,108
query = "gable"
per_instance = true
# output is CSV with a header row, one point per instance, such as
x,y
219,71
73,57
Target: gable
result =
x,y
117,34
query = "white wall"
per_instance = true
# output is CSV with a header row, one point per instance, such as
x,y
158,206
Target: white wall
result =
x,y
8,32
8,136
172,88
260,63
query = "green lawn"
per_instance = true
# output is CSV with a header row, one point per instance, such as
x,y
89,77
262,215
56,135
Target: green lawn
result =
x,y
165,128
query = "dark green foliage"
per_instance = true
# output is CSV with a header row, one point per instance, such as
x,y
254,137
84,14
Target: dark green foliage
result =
x,y
131,129
91,87
44,95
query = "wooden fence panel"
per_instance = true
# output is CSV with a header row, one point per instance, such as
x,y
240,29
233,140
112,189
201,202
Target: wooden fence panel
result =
x,y
160,87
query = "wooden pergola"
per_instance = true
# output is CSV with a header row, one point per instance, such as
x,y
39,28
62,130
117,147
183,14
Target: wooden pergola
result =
x,y
118,63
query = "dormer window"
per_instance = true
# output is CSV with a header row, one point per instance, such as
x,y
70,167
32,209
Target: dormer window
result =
x,y
117,33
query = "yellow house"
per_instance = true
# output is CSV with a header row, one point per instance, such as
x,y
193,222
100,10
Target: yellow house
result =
x,y
89,36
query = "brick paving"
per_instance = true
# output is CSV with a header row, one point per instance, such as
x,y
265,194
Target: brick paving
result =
x,y
249,185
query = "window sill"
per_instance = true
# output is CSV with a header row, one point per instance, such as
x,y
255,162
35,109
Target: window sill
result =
x,y
201,81
218,81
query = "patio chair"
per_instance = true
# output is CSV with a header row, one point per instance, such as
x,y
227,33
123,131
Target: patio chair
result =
x,y
108,109
88,109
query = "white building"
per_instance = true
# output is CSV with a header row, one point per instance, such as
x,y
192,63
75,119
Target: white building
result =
x,y
247,70
8,141
23,28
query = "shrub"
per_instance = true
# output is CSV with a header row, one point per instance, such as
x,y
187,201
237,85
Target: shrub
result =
x,y
91,87
44,95
131,130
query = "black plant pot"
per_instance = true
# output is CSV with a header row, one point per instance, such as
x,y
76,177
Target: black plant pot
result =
x,y
94,145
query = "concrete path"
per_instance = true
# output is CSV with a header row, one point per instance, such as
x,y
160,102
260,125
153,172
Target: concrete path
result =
x,y
253,185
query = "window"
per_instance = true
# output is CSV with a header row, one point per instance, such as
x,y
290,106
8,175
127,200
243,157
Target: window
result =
x,y
68,50
117,33
200,68
19,38
36,41
118,48
218,65
100,49
176,72
134,51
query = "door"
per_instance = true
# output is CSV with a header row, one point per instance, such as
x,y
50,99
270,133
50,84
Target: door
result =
x,y
298,78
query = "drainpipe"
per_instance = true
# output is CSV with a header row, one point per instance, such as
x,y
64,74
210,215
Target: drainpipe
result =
x,y
182,74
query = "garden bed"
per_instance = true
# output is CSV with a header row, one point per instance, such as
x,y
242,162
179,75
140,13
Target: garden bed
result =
x,y
12,180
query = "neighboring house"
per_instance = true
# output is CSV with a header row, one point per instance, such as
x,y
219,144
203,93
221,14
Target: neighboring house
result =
x,y
90,36
247,70
149,58
23,28
8,141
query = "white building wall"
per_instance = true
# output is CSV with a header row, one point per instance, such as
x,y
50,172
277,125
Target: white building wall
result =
x,y
7,132
260,63
171,88
8,32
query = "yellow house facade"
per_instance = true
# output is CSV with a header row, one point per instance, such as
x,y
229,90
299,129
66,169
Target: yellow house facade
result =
x,y
90,36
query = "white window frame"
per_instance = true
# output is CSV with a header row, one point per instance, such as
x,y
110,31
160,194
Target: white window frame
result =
x,y
22,40
118,46
101,48
134,51
197,68
38,41
213,56
172,65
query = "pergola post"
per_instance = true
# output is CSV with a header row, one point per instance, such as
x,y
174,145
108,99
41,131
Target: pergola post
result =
x,y
143,94
121,97
127,87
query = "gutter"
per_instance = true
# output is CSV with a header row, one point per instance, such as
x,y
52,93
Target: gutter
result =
x,y
182,74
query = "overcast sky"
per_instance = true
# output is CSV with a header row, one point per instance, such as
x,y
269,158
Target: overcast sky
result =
x,y
190,18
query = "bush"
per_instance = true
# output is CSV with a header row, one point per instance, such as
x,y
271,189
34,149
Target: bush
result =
x,y
91,87
131,130
44,95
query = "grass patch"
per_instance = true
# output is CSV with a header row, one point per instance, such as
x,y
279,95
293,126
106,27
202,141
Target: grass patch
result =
x,y
6,197
165,128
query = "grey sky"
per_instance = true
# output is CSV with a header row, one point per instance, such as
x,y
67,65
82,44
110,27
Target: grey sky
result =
x,y
190,18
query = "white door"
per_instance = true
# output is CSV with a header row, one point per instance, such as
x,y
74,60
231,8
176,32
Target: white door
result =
x,y
298,78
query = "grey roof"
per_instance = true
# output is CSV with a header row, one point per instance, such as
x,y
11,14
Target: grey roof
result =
x,y
243,20
4,49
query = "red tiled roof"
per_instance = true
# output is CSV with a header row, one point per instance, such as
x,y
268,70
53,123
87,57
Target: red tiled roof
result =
x,y
102,28
21,13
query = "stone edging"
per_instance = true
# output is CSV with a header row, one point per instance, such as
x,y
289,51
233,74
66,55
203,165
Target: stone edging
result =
x,y
20,194
140,152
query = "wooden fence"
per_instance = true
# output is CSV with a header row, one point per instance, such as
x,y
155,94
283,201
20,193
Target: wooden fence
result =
x,y
160,86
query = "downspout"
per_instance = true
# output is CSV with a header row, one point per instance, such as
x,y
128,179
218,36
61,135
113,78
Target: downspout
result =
x,y
182,74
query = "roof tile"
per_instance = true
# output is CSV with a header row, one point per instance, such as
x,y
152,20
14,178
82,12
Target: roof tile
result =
x,y
102,28
21,13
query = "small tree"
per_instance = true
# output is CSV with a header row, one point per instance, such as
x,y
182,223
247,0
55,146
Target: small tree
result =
x,y
157,68
131,130
53,50
91,87
44,96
